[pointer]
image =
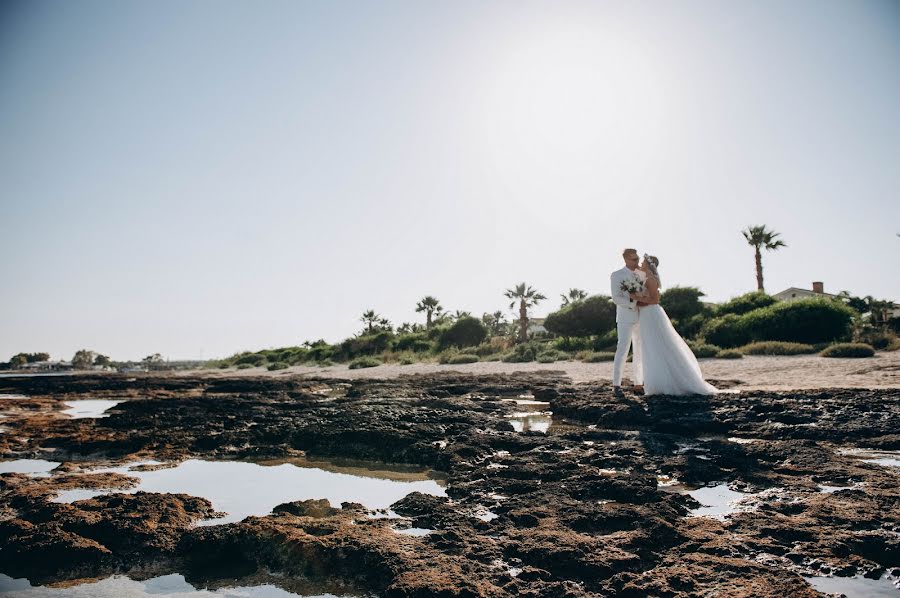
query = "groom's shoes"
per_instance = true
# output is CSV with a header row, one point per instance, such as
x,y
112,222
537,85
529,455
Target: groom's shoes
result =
x,y
617,391
638,389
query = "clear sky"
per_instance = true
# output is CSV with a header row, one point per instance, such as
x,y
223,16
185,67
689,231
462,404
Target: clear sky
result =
x,y
198,178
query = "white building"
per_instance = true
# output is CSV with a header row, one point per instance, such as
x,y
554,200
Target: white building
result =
x,y
794,293
536,326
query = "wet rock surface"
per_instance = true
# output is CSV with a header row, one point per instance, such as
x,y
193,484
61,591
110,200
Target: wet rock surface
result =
x,y
597,505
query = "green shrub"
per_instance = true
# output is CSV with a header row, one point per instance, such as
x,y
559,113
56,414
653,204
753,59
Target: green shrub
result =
x,y
573,343
464,332
729,354
879,340
522,353
245,366
595,315
807,321
325,363
492,357
493,345
444,356
250,359
682,303
405,360
606,342
366,344
728,331
777,348
690,327
597,356
278,365
364,362
320,351
745,303
416,342
849,350
551,355
463,358
702,350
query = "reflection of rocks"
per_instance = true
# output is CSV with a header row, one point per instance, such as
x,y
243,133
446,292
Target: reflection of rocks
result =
x,y
575,512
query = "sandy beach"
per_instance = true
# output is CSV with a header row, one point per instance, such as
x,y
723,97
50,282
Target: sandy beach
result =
x,y
752,372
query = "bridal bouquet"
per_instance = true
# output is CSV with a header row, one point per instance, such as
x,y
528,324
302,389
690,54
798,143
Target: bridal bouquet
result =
x,y
632,286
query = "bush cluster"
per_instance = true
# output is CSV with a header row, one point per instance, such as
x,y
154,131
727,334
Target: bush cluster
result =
x,y
593,316
548,355
522,353
463,358
702,350
849,350
777,348
729,354
364,362
808,321
595,356
745,304
464,332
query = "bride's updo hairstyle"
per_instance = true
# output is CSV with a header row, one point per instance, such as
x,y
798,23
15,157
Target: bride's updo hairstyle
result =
x,y
653,262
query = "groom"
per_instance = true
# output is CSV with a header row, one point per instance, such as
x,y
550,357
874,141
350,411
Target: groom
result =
x,y
627,319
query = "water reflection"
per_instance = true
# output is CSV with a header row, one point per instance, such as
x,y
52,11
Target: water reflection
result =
x,y
173,586
93,408
856,587
718,501
241,489
532,416
35,467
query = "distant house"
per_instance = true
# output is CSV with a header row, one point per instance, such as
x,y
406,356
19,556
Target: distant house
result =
x,y
794,293
536,326
818,290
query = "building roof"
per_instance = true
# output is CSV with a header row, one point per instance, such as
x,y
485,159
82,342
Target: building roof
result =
x,y
804,291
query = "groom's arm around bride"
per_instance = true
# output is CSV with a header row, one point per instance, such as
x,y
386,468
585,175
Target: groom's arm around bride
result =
x,y
627,318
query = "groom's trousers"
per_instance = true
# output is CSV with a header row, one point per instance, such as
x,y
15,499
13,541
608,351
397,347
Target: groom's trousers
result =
x,y
629,336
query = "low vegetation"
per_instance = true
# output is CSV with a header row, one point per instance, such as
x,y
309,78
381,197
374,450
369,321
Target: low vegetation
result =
x,y
848,350
777,348
364,362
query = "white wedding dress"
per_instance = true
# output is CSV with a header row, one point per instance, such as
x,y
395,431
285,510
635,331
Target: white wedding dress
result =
x,y
670,367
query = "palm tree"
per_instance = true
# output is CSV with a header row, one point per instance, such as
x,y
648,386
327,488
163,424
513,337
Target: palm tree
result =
x,y
526,297
430,306
759,237
495,323
460,314
370,319
573,296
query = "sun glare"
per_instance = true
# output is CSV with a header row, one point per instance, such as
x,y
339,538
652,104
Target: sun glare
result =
x,y
572,112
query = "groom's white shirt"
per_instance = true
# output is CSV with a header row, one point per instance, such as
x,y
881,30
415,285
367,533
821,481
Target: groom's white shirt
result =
x,y
626,307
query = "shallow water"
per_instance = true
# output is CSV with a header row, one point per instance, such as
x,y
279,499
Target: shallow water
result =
x,y
832,489
241,489
12,396
718,501
855,587
533,416
32,466
122,587
883,458
414,531
94,408
531,422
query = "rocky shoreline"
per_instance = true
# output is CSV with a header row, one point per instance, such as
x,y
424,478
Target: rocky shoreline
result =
x,y
600,504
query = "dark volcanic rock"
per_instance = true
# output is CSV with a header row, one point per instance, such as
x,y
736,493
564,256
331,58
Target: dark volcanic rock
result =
x,y
578,511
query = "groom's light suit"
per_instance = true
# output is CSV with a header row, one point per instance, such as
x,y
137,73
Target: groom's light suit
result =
x,y
627,325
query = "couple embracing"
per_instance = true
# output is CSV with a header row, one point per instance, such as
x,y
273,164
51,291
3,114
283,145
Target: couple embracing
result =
x,y
663,363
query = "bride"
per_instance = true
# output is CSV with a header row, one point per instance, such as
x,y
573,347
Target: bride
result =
x,y
670,367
